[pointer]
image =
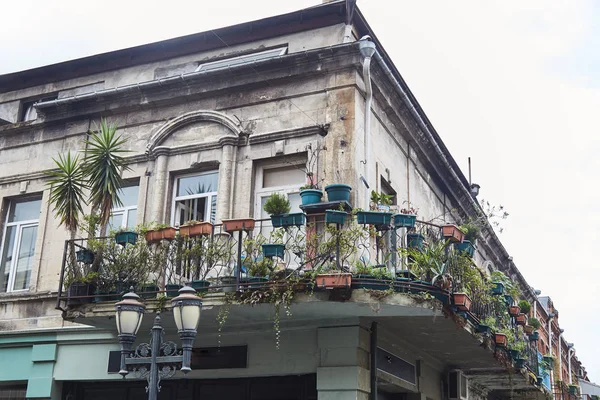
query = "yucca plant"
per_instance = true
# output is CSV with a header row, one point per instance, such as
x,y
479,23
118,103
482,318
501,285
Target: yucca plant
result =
x,y
66,186
104,163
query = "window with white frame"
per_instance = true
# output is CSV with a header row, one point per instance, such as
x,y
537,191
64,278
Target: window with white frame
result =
x,y
18,244
125,216
286,179
195,198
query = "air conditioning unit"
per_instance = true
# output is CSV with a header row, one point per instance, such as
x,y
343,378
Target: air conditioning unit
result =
x,y
458,386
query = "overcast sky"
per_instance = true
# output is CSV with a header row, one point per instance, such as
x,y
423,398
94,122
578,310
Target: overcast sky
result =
x,y
513,85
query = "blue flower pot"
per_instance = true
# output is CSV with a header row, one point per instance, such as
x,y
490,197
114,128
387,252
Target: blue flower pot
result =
x,y
404,220
311,196
292,219
365,281
465,247
200,285
520,362
498,288
514,354
335,217
415,240
125,237
373,218
481,328
273,250
255,281
172,289
338,192
534,336
509,300
85,256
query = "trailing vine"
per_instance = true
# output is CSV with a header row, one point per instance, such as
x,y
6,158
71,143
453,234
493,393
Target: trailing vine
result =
x,y
222,317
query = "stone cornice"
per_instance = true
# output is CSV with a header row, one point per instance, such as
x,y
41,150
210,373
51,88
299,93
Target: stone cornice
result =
x,y
288,133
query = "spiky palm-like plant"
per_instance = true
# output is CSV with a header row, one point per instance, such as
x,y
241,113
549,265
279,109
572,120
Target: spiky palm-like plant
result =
x,y
66,186
66,191
103,166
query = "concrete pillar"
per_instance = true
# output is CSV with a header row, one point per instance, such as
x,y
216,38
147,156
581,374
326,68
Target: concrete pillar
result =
x,y
158,196
343,372
41,385
225,179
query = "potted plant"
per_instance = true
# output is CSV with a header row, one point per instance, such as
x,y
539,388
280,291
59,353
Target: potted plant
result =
x,y
466,247
273,250
501,339
85,256
525,307
497,288
375,278
486,325
334,280
379,214
124,237
521,319
335,217
514,311
534,336
81,290
278,206
338,192
528,329
406,218
148,290
535,323
238,224
310,194
160,232
415,240
452,233
461,301
172,289
471,230
573,390
195,228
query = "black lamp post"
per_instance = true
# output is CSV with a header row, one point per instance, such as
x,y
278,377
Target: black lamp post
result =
x,y
157,360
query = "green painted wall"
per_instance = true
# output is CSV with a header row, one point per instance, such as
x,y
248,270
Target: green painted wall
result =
x,y
16,363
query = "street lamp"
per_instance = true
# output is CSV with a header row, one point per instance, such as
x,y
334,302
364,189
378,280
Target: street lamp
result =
x,y
129,314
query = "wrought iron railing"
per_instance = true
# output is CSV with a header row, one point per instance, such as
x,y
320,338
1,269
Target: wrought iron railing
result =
x,y
229,258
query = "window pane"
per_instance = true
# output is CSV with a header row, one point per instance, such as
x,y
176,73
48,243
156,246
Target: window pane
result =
x,y
6,260
129,195
284,176
25,210
115,222
25,257
188,210
131,218
197,184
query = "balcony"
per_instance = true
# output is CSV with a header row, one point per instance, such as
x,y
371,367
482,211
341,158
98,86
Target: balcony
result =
x,y
314,269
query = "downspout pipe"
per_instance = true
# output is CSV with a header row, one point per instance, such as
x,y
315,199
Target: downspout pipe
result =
x,y
569,355
367,49
560,354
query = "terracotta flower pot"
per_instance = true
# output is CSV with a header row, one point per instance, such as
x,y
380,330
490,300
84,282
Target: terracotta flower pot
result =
x,y
242,224
528,329
331,281
196,229
462,301
500,339
522,319
514,311
160,234
452,233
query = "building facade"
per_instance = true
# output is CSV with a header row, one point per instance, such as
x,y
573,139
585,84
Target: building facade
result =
x,y
215,123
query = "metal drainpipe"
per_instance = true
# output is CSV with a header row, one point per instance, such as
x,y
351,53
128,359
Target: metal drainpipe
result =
x,y
560,356
569,355
373,361
367,49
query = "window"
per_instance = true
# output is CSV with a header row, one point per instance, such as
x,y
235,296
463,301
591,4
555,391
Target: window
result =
x,y
283,179
28,111
195,198
125,216
13,392
235,61
18,244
